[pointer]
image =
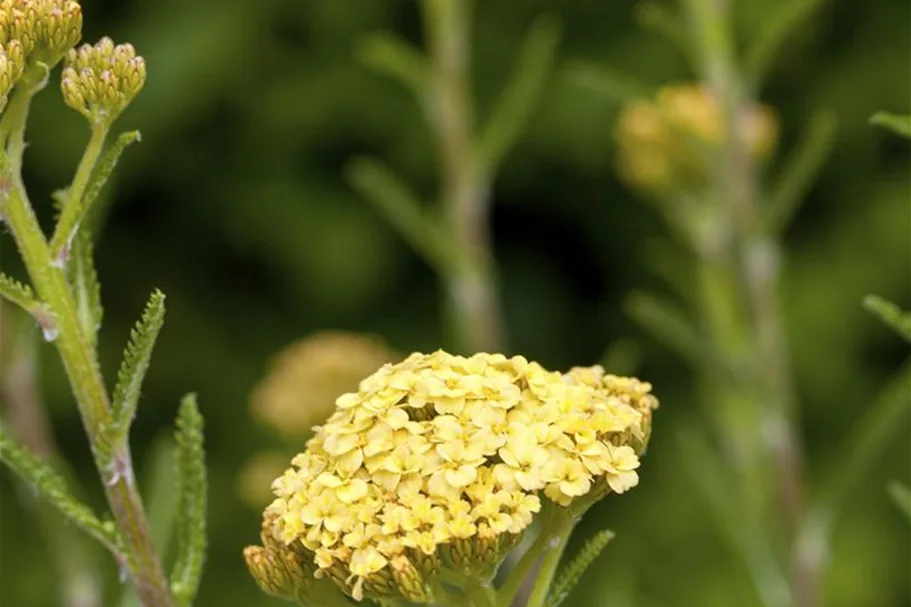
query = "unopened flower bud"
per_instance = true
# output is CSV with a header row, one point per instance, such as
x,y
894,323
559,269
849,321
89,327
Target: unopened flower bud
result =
x,y
12,64
59,27
107,77
663,143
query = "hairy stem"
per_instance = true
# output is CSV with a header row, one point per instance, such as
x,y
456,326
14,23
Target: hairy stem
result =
x,y
757,255
556,545
470,278
80,362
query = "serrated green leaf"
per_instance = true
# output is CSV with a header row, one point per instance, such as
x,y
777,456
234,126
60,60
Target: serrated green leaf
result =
x,y
901,495
190,527
84,281
800,171
521,94
890,314
51,486
388,54
567,579
75,211
22,295
136,359
900,125
15,292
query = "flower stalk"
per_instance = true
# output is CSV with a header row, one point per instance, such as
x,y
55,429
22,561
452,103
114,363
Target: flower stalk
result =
x,y
99,81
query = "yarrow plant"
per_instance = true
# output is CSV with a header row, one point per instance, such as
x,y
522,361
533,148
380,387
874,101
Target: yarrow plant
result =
x,y
422,481
99,81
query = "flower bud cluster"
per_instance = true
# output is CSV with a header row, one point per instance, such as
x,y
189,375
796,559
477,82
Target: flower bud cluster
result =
x,y
100,81
46,29
443,461
663,143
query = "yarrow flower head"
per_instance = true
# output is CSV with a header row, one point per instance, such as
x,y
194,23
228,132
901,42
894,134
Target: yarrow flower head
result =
x,y
443,461
662,142
100,81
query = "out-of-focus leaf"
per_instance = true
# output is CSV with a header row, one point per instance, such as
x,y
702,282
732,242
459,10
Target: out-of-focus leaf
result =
x,y
901,495
801,170
900,125
782,22
890,314
389,54
609,84
520,96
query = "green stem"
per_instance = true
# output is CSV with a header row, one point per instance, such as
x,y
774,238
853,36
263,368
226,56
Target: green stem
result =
x,y
470,279
756,255
72,209
80,362
554,552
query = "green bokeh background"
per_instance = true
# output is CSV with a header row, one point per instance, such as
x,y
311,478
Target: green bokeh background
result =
x,y
236,207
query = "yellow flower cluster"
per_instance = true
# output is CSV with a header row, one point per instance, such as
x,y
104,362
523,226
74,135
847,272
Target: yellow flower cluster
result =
x,y
305,378
662,142
447,456
100,81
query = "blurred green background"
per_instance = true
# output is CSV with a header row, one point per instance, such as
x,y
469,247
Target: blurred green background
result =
x,y
236,207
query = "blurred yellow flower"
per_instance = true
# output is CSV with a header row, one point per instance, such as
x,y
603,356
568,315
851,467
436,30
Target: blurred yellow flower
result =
x,y
662,143
253,482
445,459
304,380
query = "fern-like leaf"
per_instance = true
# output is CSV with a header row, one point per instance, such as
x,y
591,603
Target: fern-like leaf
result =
x,y
572,572
17,293
190,526
51,486
890,314
136,359
74,212
86,288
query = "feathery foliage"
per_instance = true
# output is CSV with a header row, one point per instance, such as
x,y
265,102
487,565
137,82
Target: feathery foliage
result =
x,y
136,359
890,314
83,280
190,525
51,486
572,572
